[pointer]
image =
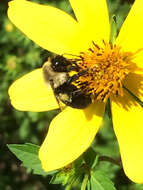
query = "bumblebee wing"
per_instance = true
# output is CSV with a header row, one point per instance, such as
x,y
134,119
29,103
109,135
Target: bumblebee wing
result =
x,y
50,82
56,97
61,107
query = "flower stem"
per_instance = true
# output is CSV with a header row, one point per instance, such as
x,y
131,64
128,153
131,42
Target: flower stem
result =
x,y
85,180
109,159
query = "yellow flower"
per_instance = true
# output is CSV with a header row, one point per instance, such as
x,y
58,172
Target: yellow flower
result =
x,y
73,130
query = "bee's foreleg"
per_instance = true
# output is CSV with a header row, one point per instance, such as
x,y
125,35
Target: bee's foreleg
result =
x,y
76,76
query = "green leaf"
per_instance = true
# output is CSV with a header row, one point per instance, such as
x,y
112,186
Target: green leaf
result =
x,y
28,154
100,181
113,34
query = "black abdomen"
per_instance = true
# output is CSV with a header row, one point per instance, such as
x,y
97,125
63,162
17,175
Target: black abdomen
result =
x,y
70,95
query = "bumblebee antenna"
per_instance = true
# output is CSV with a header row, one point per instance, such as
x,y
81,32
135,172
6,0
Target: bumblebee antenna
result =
x,y
70,54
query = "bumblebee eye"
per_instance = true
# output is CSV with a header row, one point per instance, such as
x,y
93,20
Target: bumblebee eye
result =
x,y
59,67
56,65
59,64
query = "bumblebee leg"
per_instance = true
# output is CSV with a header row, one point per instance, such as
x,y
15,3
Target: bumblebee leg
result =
x,y
73,68
76,76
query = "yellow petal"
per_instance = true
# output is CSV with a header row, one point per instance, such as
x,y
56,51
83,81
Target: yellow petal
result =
x,y
47,26
127,120
139,60
131,33
134,82
30,93
69,135
92,15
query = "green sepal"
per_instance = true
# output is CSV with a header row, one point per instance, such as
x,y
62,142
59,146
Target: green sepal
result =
x,y
68,175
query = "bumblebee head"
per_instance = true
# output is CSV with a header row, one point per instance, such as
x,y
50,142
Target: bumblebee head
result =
x,y
60,64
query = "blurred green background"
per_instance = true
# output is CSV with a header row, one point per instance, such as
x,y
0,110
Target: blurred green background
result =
x,y
19,55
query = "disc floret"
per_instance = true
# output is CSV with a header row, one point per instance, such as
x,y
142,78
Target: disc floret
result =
x,y
106,68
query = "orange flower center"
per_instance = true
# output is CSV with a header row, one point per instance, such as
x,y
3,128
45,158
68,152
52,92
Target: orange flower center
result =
x,y
105,69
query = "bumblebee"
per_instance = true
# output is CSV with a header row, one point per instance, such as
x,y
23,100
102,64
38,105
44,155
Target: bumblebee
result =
x,y
56,72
